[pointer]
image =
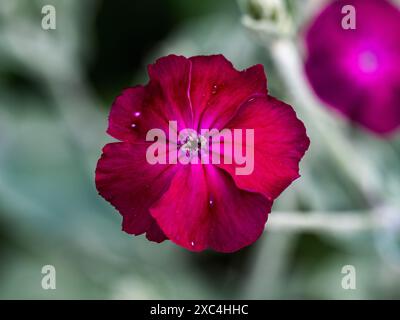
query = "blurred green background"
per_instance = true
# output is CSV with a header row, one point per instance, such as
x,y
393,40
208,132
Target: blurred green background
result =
x,y
56,88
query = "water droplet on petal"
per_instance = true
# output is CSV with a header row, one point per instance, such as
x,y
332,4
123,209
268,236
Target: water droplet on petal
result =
x,y
192,243
211,202
133,125
137,114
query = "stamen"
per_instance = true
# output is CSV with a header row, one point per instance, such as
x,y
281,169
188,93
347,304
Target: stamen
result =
x,y
192,146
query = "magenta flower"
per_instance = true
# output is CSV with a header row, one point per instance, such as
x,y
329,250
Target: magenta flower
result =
x,y
357,71
199,206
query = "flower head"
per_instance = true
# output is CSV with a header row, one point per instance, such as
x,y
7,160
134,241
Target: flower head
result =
x,y
180,193
357,70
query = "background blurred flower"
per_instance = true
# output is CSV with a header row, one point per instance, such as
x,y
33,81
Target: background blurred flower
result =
x,y
357,71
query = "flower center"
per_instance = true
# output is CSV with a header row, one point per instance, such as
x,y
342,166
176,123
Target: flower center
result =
x,y
368,62
193,144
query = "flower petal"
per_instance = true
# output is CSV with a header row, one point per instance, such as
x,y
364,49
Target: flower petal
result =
x,y
131,185
204,209
171,74
165,98
124,111
217,89
280,142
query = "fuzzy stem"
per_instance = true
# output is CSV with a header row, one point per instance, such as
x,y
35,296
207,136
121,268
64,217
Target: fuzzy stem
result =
x,y
333,222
